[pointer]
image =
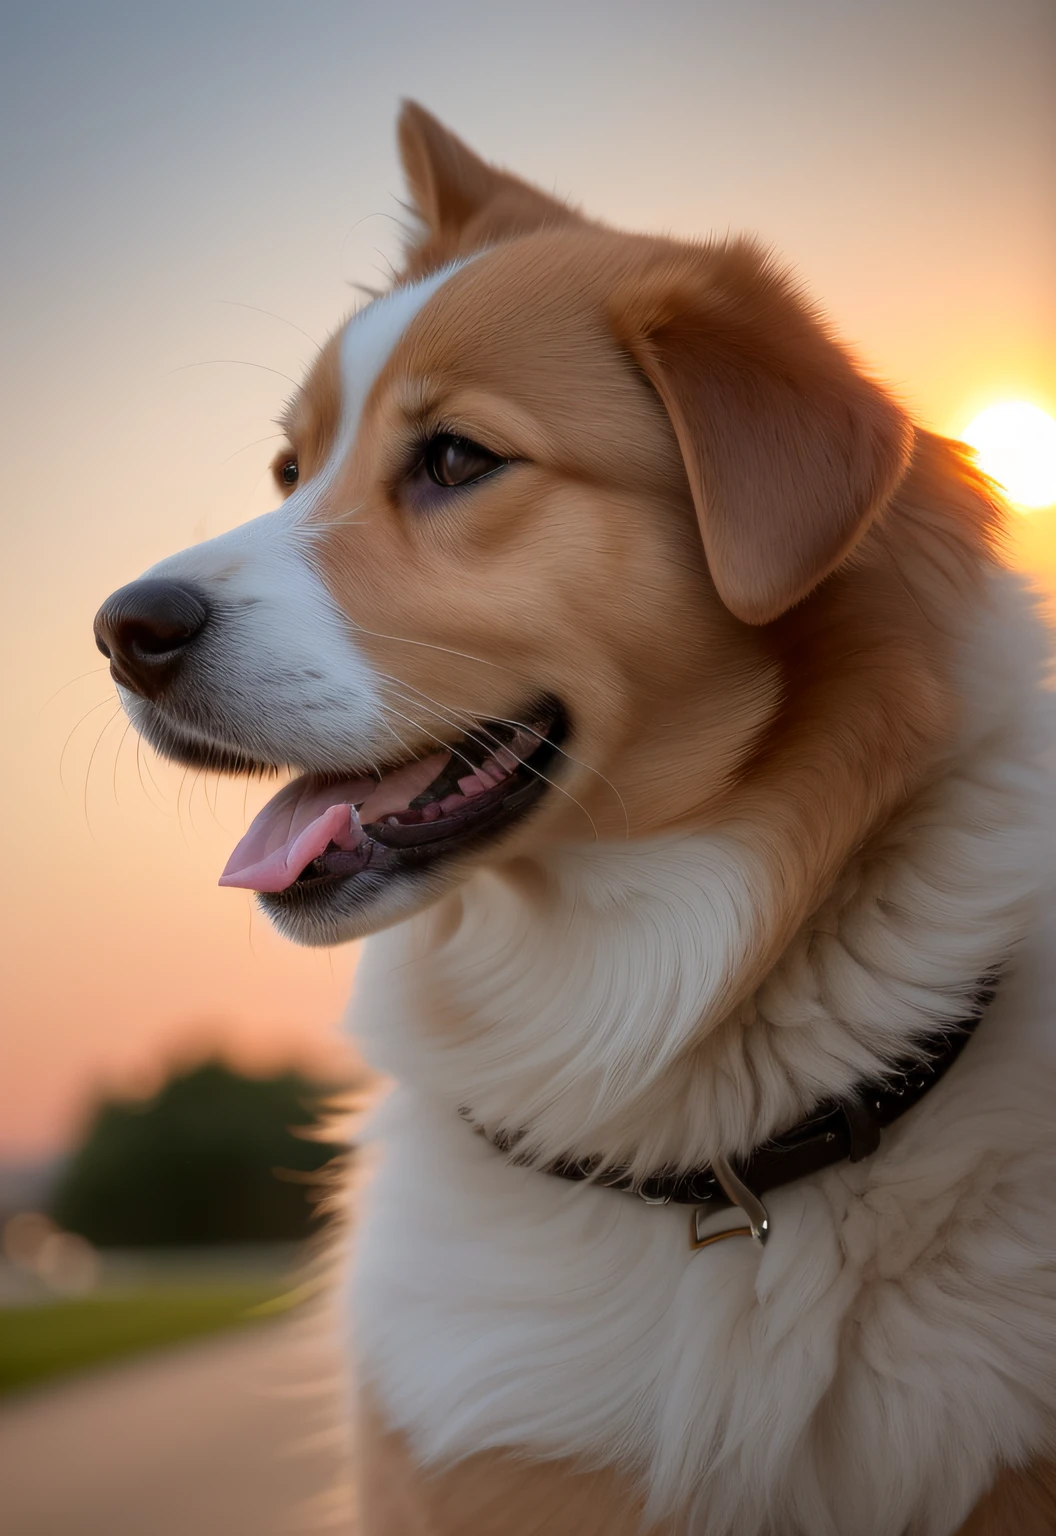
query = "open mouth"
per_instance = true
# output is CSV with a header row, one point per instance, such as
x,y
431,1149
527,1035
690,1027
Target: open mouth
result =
x,y
320,832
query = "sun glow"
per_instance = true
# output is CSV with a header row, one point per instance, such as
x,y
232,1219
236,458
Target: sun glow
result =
x,y
1016,445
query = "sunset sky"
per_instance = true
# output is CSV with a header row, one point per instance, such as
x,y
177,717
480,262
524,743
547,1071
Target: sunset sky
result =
x,y
188,192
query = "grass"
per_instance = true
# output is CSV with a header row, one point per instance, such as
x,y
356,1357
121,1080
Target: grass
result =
x,y
54,1338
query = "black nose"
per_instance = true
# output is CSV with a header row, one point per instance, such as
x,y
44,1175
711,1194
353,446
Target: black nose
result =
x,y
145,629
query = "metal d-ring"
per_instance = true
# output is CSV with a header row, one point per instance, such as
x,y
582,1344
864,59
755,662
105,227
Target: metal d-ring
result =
x,y
756,1212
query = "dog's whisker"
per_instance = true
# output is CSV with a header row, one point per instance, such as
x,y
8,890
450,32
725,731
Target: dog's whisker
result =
x,y
349,519
269,438
216,797
466,725
190,802
474,720
579,762
179,806
150,774
117,758
139,772
237,362
66,744
389,709
524,762
377,214
428,645
392,274
139,763
256,309
394,733
92,672
88,770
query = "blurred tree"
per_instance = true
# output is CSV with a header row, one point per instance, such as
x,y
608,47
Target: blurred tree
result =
x,y
213,1157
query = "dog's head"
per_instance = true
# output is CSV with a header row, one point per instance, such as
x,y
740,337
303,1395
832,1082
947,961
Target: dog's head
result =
x,y
544,504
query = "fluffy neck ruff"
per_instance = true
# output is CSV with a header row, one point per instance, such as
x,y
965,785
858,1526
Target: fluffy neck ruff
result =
x,y
583,998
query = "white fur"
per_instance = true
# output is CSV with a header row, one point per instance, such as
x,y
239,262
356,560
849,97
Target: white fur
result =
x,y
368,342
275,632
895,1342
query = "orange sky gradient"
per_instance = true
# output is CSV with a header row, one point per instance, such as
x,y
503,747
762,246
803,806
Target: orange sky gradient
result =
x,y
180,182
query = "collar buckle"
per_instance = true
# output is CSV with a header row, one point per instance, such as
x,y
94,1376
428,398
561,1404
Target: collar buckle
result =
x,y
741,1196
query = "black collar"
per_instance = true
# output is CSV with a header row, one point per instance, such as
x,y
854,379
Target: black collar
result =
x,y
835,1131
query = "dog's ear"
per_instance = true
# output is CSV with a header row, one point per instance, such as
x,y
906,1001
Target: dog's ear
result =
x,y
789,449
463,203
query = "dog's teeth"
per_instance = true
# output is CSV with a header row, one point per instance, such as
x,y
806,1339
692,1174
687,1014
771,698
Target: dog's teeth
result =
x,y
442,785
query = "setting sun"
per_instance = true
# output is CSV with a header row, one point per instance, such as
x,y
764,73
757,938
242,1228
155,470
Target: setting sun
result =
x,y
1016,444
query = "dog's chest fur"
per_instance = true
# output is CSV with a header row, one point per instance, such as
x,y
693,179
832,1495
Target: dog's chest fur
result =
x,y
893,1345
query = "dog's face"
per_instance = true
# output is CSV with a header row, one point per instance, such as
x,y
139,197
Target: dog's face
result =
x,y
544,503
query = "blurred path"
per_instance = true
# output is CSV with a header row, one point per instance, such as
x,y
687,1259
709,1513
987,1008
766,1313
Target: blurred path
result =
x,y
232,1437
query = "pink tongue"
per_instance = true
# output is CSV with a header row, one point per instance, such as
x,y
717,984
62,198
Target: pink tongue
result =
x,y
300,823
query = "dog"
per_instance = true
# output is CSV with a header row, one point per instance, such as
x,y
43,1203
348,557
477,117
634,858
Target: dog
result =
x,y
662,708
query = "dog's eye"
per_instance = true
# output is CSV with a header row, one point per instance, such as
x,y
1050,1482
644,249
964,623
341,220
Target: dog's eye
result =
x,y
288,472
452,461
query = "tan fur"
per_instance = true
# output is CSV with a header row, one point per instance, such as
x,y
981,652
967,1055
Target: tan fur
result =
x,y
647,517
581,572
311,419
1022,1502
788,449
